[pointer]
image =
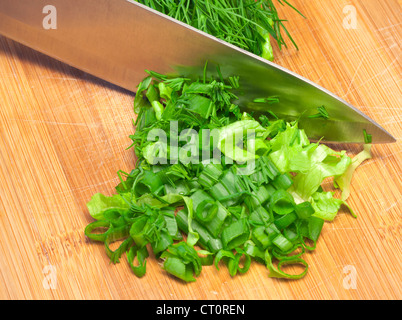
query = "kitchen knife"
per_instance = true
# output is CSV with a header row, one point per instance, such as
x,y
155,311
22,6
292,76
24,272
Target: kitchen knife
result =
x,y
117,40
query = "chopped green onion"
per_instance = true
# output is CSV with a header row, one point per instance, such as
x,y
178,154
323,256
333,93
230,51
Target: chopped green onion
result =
x,y
304,210
283,181
141,255
368,138
282,202
215,245
315,226
163,241
260,238
235,234
282,243
259,197
285,220
179,269
210,175
215,225
278,273
223,254
260,216
322,113
247,261
116,235
182,261
254,251
204,235
272,231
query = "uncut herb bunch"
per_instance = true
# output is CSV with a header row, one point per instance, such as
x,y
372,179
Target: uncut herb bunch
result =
x,y
219,212
247,24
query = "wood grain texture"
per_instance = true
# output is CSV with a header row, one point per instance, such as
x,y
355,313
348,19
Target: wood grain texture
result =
x,y
63,135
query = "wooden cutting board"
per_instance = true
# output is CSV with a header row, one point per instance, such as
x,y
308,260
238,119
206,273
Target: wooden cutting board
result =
x,y
64,135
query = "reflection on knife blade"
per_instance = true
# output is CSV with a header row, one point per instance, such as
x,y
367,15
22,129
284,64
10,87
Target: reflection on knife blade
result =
x,y
116,42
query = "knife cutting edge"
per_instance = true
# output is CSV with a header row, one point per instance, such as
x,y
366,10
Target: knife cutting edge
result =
x,y
117,40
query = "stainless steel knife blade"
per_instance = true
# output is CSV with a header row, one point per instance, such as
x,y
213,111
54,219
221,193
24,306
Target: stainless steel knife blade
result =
x,y
117,40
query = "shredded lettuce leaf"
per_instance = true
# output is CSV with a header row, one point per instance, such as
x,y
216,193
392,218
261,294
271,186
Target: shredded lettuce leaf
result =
x,y
344,181
326,206
99,203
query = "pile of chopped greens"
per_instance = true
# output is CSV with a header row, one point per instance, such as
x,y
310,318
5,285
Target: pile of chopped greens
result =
x,y
192,206
247,24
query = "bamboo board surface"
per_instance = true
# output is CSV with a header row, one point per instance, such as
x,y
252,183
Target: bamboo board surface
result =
x,y
63,135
